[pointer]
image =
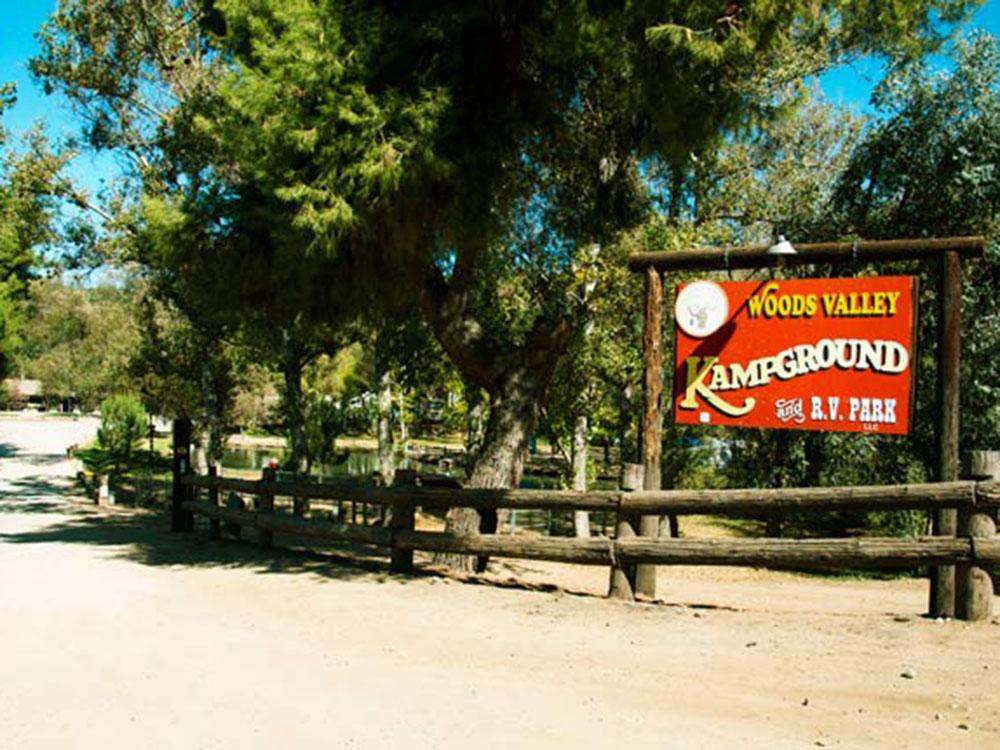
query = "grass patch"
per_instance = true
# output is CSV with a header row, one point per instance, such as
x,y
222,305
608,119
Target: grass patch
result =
x,y
97,460
145,481
812,526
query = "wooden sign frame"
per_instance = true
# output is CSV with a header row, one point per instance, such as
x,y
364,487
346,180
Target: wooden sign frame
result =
x,y
947,251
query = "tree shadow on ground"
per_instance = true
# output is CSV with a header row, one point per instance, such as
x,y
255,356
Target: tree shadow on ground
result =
x,y
42,459
144,536
36,487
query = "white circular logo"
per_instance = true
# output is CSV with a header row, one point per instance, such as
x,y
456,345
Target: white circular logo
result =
x,y
701,309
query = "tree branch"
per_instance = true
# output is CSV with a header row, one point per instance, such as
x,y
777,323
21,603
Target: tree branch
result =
x,y
447,307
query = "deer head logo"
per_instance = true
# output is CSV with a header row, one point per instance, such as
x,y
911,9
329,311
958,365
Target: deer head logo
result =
x,y
698,316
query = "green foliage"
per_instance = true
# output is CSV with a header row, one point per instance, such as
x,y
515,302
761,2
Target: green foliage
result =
x,y
302,161
123,64
324,423
254,398
411,135
167,354
12,316
28,182
897,523
123,424
924,167
15,258
182,369
99,460
928,167
79,341
779,178
336,375
324,145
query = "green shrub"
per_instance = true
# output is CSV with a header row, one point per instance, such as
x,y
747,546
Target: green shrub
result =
x,y
123,424
324,423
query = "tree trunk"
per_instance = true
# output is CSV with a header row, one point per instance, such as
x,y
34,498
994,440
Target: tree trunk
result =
x,y
211,443
296,421
676,208
500,464
627,450
383,407
401,417
295,414
515,376
199,461
474,424
581,518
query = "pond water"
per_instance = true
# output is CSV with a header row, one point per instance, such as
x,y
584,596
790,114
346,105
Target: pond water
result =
x,y
359,465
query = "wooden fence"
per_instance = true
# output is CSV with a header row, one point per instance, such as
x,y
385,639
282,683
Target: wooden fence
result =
x,y
963,547
973,553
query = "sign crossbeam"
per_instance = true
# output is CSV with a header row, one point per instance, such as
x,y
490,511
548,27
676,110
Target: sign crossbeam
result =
x,y
757,256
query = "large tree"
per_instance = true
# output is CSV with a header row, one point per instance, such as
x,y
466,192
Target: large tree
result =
x,y
929,167
78,341
29,180
190,212
458,155
125,67
453,147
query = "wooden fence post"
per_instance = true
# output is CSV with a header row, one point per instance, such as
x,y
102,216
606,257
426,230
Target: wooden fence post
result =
x,y
622,584
265,504
401,517
652,421
214,526
973,584
180,519
945,522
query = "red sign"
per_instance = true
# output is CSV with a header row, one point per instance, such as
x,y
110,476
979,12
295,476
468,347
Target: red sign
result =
x,y
801,354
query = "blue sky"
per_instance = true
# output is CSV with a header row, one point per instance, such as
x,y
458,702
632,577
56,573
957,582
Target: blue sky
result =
x,y
849,85
17,45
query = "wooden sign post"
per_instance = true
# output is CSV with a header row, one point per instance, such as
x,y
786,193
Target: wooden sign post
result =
x,y
652,420
945,522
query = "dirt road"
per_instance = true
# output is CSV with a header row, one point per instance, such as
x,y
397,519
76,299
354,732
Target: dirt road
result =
x,y
117,634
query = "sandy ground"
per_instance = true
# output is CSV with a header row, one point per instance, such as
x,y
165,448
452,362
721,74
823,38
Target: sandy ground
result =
x,y
117,634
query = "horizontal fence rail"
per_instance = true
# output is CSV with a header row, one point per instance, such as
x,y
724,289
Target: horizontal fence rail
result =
x,y
819,553
625,553
927,496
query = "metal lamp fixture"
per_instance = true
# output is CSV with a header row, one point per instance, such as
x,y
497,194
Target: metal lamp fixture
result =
x,y
781,247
